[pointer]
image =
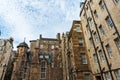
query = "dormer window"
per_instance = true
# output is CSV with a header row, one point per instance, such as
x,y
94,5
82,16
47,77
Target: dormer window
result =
x,y
41,57
47,56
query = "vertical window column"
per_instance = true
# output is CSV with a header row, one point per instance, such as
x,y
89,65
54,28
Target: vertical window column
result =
x,y
43,70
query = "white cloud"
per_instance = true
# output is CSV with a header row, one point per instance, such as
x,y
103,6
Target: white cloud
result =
x,y
29,18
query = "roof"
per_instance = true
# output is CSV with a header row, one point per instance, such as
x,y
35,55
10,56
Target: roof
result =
x,y
23,44
51,39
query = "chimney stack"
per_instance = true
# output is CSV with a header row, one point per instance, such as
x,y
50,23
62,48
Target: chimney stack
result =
x,y
58,36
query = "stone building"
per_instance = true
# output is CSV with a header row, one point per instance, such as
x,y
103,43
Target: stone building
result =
x,y
20,64
74,54
50,62
34,66
100,21
6,51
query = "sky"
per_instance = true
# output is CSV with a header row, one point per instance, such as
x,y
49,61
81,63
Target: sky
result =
x,y
29,18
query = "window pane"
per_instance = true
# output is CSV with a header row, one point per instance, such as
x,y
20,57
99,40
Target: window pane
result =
x,y
84,60
87,77
43,64
42,75
117,41
101,4
78,29
109,50
96,36
91,41
102,55
102,30
116,1
117,74
81,42
95,13
109,22
95,58
107,75
43,70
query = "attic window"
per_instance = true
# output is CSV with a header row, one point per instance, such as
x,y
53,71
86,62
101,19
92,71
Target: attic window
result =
x,y
78,28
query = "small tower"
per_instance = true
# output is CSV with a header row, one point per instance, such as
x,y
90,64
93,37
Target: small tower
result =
x,y
20,62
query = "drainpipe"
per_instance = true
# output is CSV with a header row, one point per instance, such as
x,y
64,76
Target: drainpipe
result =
x,y
111,19
94,47
101,42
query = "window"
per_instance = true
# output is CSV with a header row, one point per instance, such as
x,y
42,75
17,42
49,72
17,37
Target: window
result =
x,y
91,22
102,56
85,16
43,70
95,13
117,74
91,41
84,59
117,41
52,65
87,77
96,36
109,21
46,56
87,26
41,56
81,42
101,4
52,47
1,48
78,29
91,1
107,75
102,31
41,46
95,58
116,1
109,50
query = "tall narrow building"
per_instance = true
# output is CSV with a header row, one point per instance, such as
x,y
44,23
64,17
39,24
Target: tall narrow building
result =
x,y
75,59
20,63
6,51
100,21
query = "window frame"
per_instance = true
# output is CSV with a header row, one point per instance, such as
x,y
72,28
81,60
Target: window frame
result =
x,y
102,5
107,76
109,50
43,72
81,42
102,30
87,77
96,14
96,37
84,58
91,41
102,55
117,43
116,1
109,22
95,58
118,78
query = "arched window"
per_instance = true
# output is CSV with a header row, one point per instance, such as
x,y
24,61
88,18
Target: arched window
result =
x,y
43,70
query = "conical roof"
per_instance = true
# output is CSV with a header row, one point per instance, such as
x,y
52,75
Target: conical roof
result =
x,y
23,44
